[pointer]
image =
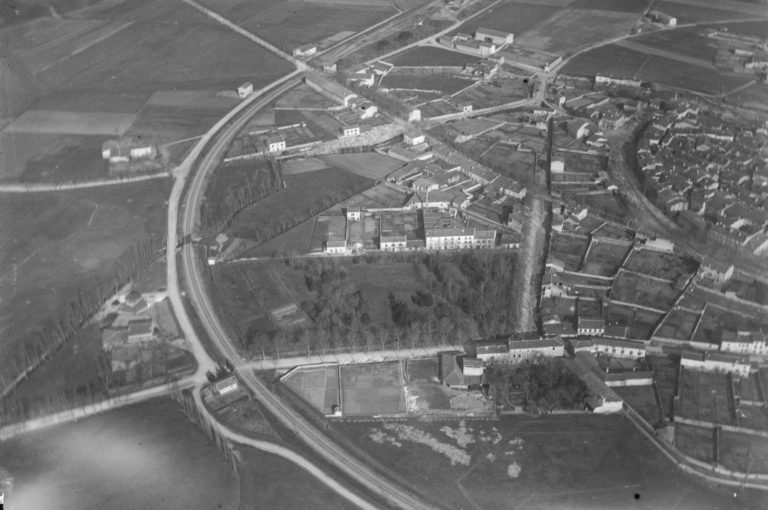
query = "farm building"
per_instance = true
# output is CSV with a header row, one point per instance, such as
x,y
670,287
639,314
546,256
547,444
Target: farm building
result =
x,y
490,351
350,131
225,386
140,330
414,137
664,19
480,49
329,67
127,149
590,326
753,342
275,143
497,37
619,348
305,50
354,214
623,82
245,90
523,350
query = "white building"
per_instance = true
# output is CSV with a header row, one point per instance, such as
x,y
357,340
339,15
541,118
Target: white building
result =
x,y
715,362
449,238
624,82
522,350
245,90
590,327
392,243
354,214
619,348
557,166
305,51
276,144
743,342
350,131
414,137
660,244
497,37
225,386
336,246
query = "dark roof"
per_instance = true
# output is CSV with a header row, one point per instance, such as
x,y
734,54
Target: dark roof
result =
x,y
492,348
139,327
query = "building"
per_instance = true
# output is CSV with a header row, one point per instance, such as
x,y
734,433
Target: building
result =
x,y
619,348
744,342
275,143
449,238
633,378
466,108
329,67
497,37
225,386
622,82
590,326
524,350
142,152
306,50
245,90
414,137
140,330
664,19
451,370
354,214
337,235
715,362
490,351
473,367
660,244
350,131
481,49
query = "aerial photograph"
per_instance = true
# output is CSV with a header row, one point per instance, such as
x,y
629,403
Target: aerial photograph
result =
x,y
383,254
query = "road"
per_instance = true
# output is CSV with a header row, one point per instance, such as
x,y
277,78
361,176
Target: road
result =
x,y
316,440
30,187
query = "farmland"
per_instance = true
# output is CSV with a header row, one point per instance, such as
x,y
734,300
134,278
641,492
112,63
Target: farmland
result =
x,y
643,400
445,83
291,24
317,385
641,323
515,17
495,93
68,240
372,388
570,249
138,455
744,453
604,259
70,83
707,397
369,164
678,324
547,462
429,56
698,442
609,59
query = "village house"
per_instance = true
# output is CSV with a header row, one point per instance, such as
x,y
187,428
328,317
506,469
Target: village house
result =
x,y
225,386
140,330
497,37
590,326
715,362
305,50
454,372
245,90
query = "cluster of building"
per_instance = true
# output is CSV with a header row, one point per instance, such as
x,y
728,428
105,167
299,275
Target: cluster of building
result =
x,y
657,16
714,166
404,229
126,154
740,53
483,43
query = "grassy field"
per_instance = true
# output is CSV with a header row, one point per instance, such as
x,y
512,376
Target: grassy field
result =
x,y
317,385
372,388
305,195
686,13
446,84
149,69
641,323
632,288
706,396
678,324
643,400
290,24
745,453
515,17
148,455
569,249
67,240
698,442
659,264
367,164
429,56
604,259
495,93
574,462
609,59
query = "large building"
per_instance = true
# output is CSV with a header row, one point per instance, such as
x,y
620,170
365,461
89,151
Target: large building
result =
x,y
497,37
305,50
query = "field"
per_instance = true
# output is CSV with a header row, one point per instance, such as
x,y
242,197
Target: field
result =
x,y
698,442
305,195
317,385
707,397
660,265
715,320
688,12
688,42
76,80
678,324
744,453
643,400
437,108
635,289
610,59
377,281
550,462
68,240
515,17
381,195
368,164
569,249
372,388
604,259
641,323
446,84
495,93
148,455
429,56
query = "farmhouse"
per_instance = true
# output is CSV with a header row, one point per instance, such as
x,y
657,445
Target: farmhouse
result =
x,y
622,82
745,342
305,50
329,67
453,373
127,149
140,330
354,214
245,90
523,350
350,131
496,37
225,386
590,326
414,137
619,348
275,143
480,49
660,17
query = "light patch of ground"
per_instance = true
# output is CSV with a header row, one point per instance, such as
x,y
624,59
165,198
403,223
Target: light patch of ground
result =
x,y
76,123
400,433
513,470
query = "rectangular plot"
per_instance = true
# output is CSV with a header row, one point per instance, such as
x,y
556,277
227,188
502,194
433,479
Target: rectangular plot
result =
x,y
76,123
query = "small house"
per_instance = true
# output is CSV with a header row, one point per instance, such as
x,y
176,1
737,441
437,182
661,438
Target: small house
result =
x,y
225,386
245,90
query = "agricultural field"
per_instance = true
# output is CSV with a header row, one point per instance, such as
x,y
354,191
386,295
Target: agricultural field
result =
x,y
706,396
636,289
516,17
380,196
687,42
643,400
444,83
665,377
317,385
688,11
430,56
678,324
641,323
610,59
667,266
604,259
71,83
608,204
698,442
372,388
137,455
744,453
570,249
302,96
275,214
548,462
494,93
367,164
680,75
69,240
716,319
